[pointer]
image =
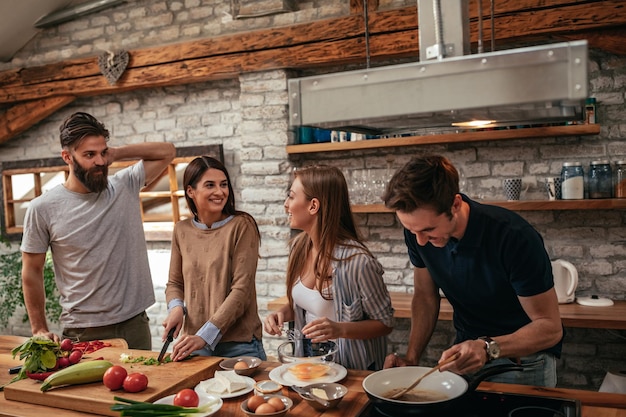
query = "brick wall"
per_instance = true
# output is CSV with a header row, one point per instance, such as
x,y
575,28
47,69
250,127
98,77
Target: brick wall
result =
x,y
248,116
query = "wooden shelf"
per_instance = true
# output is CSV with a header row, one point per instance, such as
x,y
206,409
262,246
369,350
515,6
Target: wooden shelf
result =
x,y
486,135
572,314
599,204
522,205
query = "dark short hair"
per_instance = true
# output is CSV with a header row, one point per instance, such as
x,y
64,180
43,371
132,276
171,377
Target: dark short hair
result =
x,y
78,126
424,182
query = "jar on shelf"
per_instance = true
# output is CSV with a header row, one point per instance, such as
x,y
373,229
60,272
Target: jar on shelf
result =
x,y
600,181
620,179
590,110
572,181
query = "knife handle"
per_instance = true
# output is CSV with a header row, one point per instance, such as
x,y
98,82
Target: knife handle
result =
x,y
15,369
170,334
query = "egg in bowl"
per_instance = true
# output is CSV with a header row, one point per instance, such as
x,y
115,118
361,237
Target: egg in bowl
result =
x,y
308,370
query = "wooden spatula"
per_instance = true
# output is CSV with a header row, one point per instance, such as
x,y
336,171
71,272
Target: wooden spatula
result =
x,y
418,380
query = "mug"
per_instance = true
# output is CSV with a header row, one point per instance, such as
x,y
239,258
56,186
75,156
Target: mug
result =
x,y
512,188
565,280
553,188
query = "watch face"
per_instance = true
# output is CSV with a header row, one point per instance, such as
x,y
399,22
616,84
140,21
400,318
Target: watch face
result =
x,y
494,350
491,347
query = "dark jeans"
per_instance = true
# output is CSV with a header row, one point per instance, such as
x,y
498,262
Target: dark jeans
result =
x,y
539,370
136,332
234,349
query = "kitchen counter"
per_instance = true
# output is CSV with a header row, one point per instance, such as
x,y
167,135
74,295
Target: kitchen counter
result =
x,y
594,404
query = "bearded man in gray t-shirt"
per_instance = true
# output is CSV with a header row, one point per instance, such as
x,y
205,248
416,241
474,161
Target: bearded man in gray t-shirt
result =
x,y
93,227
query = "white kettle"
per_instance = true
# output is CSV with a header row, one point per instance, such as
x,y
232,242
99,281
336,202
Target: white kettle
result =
x,y
565,280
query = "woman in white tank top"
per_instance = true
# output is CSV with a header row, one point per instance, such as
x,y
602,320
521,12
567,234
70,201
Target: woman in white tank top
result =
x,y
335,285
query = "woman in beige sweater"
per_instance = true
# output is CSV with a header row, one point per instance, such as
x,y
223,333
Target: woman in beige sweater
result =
x,y
211,292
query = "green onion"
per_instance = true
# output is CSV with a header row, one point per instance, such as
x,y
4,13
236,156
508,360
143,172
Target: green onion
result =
x,y
133,408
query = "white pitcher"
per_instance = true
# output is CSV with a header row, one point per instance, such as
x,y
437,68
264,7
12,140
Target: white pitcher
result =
x,y
565,280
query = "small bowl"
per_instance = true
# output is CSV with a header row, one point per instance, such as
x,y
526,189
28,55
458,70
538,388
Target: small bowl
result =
x,y
252,363
267,386
334,394
323,351
285,400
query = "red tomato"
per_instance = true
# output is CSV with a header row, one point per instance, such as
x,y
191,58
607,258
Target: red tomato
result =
x,y
186,398
75,356
135,382
114,377
66,345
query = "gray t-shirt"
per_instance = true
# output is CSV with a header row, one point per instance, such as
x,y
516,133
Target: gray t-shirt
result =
x,y
98,249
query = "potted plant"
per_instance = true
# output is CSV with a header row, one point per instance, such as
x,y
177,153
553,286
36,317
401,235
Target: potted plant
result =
x,y
11,295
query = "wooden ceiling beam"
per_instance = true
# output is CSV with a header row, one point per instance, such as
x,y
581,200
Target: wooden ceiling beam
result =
x,y
330,42
569,18
529,21
356,6
21,117
611,40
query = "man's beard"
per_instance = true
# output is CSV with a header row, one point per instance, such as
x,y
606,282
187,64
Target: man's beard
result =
x,y
94,179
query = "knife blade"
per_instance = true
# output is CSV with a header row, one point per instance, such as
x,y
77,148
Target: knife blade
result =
x,y
170,338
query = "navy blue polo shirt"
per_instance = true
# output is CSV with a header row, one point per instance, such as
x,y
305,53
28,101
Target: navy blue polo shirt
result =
x,y
500,257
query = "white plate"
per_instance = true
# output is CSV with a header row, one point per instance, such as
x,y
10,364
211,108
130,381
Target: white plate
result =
x,y
204,398
282,375
200,388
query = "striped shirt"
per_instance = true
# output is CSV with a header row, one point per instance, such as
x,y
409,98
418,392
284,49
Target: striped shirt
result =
x,y
359,293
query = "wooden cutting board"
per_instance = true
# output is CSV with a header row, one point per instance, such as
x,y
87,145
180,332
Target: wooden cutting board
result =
x,y
163,380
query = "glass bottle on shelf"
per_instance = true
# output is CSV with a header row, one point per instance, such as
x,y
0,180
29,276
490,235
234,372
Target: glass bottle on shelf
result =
x,y
620,179
572,181
600,179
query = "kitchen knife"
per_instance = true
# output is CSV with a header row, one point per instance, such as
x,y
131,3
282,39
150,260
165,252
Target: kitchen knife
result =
x,y
170,338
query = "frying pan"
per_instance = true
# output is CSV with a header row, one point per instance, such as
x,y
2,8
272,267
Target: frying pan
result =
x,y
453,386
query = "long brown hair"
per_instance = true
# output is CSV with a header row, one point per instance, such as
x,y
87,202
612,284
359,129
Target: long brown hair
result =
x,y
335,225
194,172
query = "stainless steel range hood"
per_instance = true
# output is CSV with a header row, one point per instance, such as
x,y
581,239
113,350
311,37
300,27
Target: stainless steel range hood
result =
x,y
539,84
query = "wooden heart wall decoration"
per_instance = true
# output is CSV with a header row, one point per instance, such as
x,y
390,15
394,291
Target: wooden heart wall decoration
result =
x,y
112,66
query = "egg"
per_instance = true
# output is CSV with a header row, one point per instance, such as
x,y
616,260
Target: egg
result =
x,y
276,403
241,365
254,402
308,370
265,408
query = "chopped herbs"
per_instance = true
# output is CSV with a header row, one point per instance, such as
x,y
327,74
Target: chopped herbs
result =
x,y
144,360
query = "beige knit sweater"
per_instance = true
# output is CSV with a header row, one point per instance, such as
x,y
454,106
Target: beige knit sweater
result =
x,y
213,271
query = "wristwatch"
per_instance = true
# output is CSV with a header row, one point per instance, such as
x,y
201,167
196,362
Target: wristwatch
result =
x,y
491,347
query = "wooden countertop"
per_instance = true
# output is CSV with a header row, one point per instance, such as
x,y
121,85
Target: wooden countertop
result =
x,y
572,314
594,404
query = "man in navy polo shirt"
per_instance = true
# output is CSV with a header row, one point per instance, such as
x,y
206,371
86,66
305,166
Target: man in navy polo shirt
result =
x,y
492,266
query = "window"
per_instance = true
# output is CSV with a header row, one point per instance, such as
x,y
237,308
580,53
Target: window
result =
x,y
162,203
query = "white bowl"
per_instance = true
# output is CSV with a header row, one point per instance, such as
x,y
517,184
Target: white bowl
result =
x,y
204,399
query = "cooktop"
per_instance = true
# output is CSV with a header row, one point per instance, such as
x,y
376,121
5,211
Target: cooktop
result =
x,y
494,404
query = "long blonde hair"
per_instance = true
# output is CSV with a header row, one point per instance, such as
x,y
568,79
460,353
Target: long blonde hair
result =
x,y
335,225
